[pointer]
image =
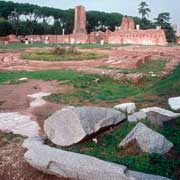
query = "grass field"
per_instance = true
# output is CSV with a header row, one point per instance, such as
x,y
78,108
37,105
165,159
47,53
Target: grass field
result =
x,y
41,45
107,90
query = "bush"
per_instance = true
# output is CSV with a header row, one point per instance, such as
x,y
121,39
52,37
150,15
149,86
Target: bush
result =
x,y
65,50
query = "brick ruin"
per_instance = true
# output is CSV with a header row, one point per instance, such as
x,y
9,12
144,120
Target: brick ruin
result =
x,y
80,20
127,24
125,34
178,40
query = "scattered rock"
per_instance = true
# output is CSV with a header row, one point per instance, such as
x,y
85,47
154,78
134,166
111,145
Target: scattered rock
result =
x,y
153,75
144,176
39,95
95,140
18,124
70,165
137,116
148,140
174,103
71,125
158,115
126,107
38,101
77,166
23,79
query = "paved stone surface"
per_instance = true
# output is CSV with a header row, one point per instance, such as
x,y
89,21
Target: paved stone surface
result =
x,y
174,103
77,166
126,107
18,124
71,125
148,140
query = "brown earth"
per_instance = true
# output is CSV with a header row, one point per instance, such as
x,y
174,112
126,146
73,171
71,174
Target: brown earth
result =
x,y
14,99
13,165
121,57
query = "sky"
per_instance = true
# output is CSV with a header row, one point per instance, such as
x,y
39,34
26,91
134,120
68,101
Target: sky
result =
x,y
126,7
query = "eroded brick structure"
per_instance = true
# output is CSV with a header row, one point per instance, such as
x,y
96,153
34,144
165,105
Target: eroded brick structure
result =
x,y
127,24
80,20
126,34
9,39
178,40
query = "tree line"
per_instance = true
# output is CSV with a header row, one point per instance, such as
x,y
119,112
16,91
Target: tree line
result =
x,y
25,18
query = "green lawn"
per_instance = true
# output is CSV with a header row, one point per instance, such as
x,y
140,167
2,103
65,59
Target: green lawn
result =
x,y
23,46
41,45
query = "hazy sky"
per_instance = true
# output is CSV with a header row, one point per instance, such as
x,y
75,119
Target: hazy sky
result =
x,y
128,7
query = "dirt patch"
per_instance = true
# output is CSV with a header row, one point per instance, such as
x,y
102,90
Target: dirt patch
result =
x,y
13,97
130,149
13,165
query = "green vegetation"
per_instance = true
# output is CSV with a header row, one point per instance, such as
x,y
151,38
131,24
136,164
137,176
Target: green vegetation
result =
x,y
96,45
11,21
7,138
168,86
86,87
61,54
107,149
163,20
144,10
155,66
95,89
63,19
19,46
100,90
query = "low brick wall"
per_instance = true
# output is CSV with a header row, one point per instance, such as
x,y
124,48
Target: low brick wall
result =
x,y
140,37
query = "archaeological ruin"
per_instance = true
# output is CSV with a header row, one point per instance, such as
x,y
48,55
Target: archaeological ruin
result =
x,y
127,33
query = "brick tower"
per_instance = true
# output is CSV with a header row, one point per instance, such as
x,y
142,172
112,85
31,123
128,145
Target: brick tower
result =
x,y
80,20
127,24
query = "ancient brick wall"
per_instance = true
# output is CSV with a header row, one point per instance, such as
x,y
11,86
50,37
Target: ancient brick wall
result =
x,y
127,34
10,39
3,39
141,37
